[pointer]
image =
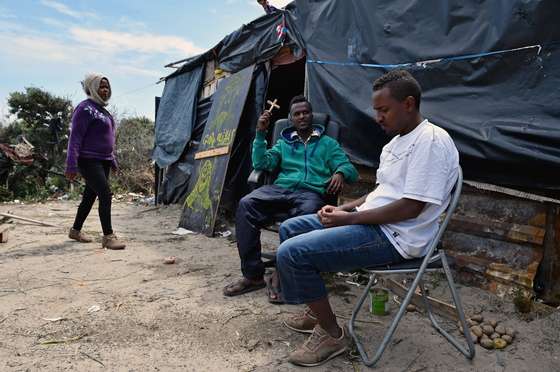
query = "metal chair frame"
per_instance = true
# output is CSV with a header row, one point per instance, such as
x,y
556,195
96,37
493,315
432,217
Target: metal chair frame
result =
x,y
434,260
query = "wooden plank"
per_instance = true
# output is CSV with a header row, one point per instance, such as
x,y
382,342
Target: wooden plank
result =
x,y
439,307
27,220
549,272
213,152
516,255
511,232
498,207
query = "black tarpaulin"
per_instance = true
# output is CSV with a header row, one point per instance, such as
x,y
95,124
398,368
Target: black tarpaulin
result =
x,y
497,101
253,43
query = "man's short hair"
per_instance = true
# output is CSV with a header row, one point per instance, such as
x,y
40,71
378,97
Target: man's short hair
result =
x,y
299,99
401,84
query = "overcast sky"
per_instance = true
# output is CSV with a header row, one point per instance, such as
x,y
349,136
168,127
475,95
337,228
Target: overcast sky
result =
x,y
52,44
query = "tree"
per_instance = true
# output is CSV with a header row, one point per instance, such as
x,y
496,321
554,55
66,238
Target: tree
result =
x,y
43,119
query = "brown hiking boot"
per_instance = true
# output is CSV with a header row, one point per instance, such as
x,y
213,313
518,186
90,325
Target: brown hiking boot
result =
x,y
79,236
112,242
302,322
319,348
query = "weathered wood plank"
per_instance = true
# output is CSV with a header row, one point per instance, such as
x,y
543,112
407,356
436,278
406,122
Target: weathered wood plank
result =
x,y
549,273
213,152
484,227
439,307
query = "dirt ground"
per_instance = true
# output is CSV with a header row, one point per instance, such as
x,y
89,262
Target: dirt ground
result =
x,y
71,306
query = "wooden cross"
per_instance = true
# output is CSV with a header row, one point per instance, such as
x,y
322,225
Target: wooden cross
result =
x,y
273,105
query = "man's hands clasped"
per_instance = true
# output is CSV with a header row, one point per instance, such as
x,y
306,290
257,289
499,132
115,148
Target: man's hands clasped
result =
x,y
331,216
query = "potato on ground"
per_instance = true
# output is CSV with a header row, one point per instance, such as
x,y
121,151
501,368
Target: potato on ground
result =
x,y
486,343
499,343
487,330
474,337
510,332
477,331
500,329
477,318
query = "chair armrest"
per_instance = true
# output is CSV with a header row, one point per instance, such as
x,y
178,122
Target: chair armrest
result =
x,y
256,179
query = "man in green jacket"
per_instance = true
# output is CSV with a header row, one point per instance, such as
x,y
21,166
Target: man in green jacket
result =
x,y
310,164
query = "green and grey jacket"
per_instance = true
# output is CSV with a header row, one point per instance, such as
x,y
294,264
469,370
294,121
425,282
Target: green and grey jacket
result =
x,y
303,166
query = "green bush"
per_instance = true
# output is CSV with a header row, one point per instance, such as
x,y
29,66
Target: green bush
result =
x,y
135,139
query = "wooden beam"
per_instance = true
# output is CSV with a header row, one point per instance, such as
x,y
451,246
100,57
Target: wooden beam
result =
x,y
510,232
439,307
550,265
213,152
27,219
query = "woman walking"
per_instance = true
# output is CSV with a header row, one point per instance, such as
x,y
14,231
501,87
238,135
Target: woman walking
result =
x,y
91,153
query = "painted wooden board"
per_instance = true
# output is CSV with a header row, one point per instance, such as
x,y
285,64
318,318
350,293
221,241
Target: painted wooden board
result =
x,y
207,181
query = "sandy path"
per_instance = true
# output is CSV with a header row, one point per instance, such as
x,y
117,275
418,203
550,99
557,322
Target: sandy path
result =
x,y
156,317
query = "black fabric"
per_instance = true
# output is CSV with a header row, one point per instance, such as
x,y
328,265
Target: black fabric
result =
x,y
253,43
257,210
96,174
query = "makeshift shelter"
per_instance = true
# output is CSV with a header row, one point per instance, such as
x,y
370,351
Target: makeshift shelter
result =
x,y
489,70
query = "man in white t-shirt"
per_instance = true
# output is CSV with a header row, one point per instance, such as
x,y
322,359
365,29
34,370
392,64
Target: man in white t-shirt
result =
x,y
396,221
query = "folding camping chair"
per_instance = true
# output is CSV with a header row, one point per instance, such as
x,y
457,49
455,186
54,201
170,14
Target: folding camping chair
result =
x,y
434,260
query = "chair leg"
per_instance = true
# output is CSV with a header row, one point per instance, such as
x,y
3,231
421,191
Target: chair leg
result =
x,y
460,312
457,301
351,324
388,335
417,282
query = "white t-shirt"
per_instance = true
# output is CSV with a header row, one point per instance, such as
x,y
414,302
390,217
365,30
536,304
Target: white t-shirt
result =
x,y
421,165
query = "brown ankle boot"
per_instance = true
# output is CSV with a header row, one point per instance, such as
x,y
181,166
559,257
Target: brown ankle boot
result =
x,y
79,236
112,242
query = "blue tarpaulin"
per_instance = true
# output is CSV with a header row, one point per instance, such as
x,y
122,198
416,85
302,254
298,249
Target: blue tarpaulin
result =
x,y
176,116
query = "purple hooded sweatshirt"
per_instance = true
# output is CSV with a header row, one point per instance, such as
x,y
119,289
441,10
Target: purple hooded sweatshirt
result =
x,y
92,135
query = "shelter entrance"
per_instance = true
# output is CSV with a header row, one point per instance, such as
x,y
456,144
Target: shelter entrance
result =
x,y
286,82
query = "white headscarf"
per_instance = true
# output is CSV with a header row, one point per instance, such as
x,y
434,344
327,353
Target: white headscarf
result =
x,y
91,83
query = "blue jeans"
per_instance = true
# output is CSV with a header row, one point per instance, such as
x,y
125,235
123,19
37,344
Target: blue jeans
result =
x,y
307,248
260,208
